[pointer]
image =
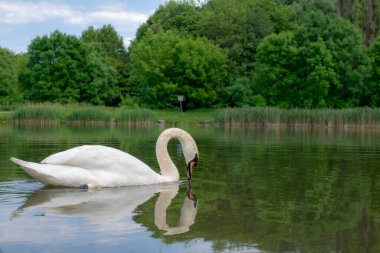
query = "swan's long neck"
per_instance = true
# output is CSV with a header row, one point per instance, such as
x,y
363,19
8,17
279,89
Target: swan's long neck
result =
x,y
168,169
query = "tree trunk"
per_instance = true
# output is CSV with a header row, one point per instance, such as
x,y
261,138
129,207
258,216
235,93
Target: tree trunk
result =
x,y
369,28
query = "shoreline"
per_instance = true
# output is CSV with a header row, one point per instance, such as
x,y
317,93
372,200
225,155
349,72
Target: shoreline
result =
x,y
245,117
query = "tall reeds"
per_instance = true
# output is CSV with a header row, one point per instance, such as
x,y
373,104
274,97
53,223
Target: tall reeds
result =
x,y
36,115
80,115
229,117
135,116
275,117
89,116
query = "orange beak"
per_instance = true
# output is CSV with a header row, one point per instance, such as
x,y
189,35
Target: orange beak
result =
x,y
190,168
192,165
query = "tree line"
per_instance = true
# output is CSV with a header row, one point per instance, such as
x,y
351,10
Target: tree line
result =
x,y
283,53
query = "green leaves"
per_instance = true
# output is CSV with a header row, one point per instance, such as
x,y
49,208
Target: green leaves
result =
x,y
373,88
107,40
323,63
275,77
110,47
165,65
9,86
64,69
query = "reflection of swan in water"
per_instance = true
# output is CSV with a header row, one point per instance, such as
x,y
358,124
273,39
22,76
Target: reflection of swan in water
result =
x,y
100,206
188,212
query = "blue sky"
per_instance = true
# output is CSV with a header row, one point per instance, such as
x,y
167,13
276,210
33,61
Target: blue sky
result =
x,y
23,20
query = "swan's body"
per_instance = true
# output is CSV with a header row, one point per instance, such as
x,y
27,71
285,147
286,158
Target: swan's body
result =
x,y
101,166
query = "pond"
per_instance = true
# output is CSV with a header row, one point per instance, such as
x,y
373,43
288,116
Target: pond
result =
x,y
254,190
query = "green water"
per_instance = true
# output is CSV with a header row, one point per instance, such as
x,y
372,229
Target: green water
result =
x,y
253,191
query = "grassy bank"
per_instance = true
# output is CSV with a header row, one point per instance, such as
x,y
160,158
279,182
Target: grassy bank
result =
x,y
229,117
4,116
100,115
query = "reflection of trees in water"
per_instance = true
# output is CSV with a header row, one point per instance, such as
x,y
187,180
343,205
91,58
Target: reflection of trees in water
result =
x,y
322,205
315,206
320,196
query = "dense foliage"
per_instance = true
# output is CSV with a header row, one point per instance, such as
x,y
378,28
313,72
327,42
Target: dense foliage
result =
x,y
8,78
284,53
110,45
321,63
165,65
62,68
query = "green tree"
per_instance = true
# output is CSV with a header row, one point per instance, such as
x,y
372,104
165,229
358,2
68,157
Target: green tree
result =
x,y
239,26
107,39
323,63
292,75
373,90
166,64
351,62
61,68
317,73
111,47
180,16
9,86
275,75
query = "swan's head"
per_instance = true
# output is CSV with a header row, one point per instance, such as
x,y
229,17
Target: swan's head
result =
x,y
190,152
190,166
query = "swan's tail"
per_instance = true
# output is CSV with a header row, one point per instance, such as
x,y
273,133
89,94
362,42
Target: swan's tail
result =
x,y
20,162
33,169
51,174
28,167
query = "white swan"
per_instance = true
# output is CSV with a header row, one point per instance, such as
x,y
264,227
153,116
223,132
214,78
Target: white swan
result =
x,y
100,166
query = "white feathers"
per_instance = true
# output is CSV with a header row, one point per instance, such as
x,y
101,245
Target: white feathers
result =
x,y
101,166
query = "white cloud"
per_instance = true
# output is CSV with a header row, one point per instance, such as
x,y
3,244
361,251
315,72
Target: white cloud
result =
x,y
29,12
116,17
24,12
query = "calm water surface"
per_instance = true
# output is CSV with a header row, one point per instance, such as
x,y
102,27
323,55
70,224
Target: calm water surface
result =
x,y
253,191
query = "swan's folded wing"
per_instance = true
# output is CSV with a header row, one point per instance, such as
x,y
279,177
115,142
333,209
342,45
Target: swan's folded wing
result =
x,y
96,157
59,175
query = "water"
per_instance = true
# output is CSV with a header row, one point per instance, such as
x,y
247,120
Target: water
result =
x,y
252,191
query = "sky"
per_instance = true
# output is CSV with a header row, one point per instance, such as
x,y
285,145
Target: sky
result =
x,y
23,20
